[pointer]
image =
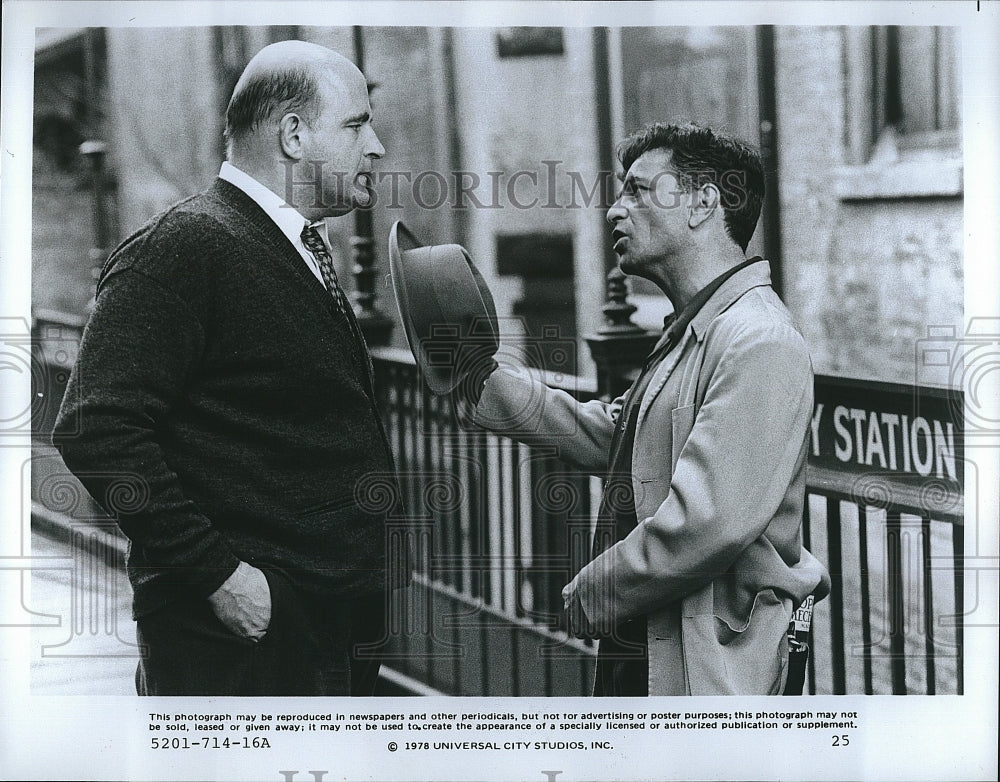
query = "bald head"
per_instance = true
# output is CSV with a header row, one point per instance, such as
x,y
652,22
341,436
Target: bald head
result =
x,y
284,77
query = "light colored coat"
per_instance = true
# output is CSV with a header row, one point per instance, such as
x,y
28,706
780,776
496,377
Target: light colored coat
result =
x,y
718,471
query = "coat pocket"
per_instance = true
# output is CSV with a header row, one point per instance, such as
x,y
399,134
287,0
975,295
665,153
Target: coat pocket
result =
x,y
747,658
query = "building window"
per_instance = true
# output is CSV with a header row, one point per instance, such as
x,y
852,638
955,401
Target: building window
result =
x,y
901,92
916,79
902,117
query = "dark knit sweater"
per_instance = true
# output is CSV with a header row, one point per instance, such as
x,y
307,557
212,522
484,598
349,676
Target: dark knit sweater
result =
x,y
221,409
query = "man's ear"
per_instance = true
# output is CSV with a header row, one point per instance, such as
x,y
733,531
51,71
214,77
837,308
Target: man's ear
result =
x,y
704,202
290,128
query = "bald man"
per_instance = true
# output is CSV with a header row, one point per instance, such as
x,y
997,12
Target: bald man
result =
x,y
224,385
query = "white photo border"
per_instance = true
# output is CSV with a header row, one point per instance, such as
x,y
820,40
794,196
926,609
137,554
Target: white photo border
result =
x,y
932,738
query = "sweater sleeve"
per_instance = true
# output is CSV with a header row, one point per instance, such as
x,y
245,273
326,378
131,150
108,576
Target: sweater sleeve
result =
x,y
137,353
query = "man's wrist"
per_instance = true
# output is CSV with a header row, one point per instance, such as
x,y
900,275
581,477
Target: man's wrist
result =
x,y
234,582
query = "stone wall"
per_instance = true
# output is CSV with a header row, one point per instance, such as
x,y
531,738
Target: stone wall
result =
x,y
873,252
167,118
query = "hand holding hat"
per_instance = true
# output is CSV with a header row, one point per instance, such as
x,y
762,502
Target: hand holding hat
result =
x,y
448,313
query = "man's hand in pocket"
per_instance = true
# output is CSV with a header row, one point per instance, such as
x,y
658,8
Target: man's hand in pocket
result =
x,y
243,602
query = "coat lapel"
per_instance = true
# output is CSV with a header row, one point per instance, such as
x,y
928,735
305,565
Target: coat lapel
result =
x,y
732,289
661,374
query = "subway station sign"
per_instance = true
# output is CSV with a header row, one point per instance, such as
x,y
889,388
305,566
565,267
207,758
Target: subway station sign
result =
x,y
890,443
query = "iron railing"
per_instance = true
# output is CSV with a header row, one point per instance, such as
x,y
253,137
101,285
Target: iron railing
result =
x,y
505,525
499,527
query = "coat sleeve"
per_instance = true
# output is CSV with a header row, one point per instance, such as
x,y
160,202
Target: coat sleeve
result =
x,y
135,358
731,476
517,404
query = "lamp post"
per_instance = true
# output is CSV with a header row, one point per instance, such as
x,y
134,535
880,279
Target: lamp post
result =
x,y
620,346
95,153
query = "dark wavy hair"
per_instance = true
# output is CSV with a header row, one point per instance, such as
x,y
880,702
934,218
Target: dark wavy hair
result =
x,y
262,97
701,156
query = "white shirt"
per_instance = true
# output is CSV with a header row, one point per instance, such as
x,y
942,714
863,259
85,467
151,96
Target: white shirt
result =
x,y
287,218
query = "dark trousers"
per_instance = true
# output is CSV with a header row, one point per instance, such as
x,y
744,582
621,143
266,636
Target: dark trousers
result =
x,y
623,662
312,647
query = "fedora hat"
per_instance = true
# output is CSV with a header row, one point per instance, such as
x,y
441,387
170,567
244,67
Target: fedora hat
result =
x,y
447,309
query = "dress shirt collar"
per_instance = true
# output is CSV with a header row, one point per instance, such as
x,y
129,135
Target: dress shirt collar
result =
x,y
288,219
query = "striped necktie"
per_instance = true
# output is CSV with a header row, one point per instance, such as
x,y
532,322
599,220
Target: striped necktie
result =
x,y
313,242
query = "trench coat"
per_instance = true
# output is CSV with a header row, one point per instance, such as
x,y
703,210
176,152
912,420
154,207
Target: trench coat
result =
x,y
718,473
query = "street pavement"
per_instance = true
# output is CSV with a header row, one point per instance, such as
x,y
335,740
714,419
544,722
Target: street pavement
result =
x,y
83,638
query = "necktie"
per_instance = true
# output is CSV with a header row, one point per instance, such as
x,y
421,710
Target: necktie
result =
x,y
313,242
